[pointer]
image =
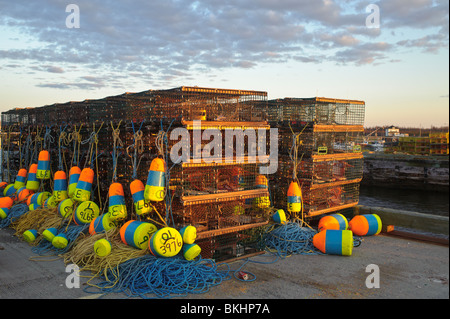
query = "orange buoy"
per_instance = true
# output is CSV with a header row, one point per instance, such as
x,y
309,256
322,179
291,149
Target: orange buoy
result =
x,y
21,178
140,204
32,181
84,185
74,175
156,181
334,221
334,242
5,205
261,183
294,198
365,225
60,186
43,169
117,209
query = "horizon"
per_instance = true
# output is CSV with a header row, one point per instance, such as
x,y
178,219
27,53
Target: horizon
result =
x,y
391,54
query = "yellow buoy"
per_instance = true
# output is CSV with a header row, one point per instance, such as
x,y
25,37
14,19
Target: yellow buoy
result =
x,y
102,247
166,242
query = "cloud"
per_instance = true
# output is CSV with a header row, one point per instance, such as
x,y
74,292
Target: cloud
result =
x,y
162,37
55,69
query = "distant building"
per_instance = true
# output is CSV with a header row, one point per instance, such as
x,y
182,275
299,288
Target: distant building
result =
x,y
392,131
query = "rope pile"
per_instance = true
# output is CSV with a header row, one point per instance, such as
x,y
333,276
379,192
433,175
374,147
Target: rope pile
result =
x,y
149,277
289,239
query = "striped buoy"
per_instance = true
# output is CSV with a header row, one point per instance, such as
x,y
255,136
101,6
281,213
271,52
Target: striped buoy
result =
x,y
294,198
156,181
140,204
264,201
43,169
84,185
136,234
65,207
117,209
21,178
74,175
86,212
5,205
32,181
42,197
50,233
50,202
60,186
191,251
60,241
2,186
100,224
9,190
23,193
334,242
365,225
189,234
166,242
30,235
279,217
334,221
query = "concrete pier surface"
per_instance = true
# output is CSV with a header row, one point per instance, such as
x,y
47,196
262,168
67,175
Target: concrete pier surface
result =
x,y
408,269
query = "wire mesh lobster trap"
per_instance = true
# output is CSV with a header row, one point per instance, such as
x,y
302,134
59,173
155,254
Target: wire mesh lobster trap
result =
x,y
317,110
217,188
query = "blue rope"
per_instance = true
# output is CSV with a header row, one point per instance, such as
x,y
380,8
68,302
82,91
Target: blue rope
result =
x,y
14,213
289,239
150,277
73,231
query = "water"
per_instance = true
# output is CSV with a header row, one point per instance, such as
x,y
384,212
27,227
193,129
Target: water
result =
x,y
434,203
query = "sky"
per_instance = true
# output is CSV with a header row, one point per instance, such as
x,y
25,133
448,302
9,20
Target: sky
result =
x,y
288,48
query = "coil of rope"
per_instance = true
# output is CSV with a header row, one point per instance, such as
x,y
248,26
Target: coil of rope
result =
x,y
149,277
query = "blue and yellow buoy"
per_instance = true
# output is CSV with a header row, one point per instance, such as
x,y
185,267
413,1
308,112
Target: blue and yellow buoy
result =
x,y
191,251
279,217
334,221
189,234
50,233
334,242
156,181
30,235
365,225
60,241
9,191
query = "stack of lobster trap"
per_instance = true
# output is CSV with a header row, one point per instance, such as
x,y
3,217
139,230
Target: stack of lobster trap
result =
x,y
326,135
220,190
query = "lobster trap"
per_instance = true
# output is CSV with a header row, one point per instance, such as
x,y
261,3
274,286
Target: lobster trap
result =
x,y
317,110
213,176
320,147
